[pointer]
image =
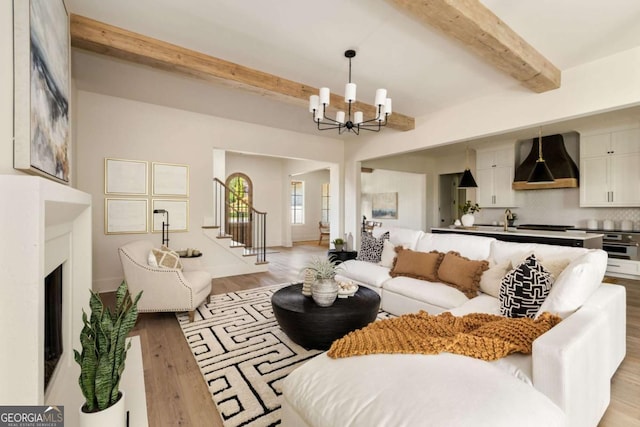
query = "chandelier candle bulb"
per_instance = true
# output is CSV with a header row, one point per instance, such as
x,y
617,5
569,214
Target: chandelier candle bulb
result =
x,y
357,117
350,92
325,94
314,103
387,106
340,117
381,97
318,116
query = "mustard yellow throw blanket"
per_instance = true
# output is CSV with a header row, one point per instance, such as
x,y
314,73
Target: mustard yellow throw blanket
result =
x,y
483,336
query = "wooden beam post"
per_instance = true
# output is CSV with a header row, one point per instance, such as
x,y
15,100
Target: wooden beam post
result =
x,y
105,39
486,35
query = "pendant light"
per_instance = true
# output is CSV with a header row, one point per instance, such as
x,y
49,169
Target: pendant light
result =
x,y
540,173
467,180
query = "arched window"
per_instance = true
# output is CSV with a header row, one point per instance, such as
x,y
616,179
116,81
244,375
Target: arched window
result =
x,y
239,203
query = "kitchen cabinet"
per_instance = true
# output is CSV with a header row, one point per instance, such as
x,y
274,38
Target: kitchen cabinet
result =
x,y
623,268
494,175
609,169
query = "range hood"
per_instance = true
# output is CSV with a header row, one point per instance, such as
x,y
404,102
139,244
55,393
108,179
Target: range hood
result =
x,y
562,167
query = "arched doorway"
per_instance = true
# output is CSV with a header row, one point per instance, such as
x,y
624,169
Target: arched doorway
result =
x,y
239,201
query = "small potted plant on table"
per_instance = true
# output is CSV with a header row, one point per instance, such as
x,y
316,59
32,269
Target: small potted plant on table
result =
x,y
338,244
104,349
468,209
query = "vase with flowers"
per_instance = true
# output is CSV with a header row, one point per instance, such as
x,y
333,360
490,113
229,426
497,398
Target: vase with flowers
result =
x,y
468,209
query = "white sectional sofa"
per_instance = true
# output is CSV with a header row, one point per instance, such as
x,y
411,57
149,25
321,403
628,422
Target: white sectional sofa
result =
x,y
564,382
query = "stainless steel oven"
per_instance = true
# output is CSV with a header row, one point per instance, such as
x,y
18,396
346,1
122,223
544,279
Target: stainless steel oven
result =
x,y
622,245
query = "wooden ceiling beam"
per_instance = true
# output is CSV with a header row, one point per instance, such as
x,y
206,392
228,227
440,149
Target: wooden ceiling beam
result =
x,y
486,35
105,39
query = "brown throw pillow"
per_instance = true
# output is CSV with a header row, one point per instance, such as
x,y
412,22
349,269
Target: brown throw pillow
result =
x,y
462,273
419,265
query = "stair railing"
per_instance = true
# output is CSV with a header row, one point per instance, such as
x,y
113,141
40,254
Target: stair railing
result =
x,y
239,221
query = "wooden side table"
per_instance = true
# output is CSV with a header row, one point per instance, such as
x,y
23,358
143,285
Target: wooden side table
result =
x,y
341,256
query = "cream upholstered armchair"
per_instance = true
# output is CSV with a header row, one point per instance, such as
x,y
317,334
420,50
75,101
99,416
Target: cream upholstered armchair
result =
x,y
165,289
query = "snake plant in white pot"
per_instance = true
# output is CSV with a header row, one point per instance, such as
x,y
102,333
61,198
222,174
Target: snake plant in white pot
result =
x,y
104,349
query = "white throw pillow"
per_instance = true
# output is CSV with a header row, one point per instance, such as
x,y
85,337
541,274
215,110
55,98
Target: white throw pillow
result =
x,y
492,278
388,254
575,284
151,260
555,266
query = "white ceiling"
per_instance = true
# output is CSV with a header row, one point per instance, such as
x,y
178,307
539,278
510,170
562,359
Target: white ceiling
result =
x,y
304,41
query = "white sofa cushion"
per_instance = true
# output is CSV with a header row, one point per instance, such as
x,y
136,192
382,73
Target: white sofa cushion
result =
x,y
400,236
415,390
481,304
503,251
434,293
472,247
363,272
576,283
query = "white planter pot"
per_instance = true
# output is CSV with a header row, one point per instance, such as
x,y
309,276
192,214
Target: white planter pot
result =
x,y
113,416
324,292
467,220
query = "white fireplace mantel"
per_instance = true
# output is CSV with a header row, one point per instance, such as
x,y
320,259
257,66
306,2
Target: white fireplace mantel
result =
x,y
42,223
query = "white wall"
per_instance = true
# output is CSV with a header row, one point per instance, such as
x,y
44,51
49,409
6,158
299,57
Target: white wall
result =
x,y
120,128
411,189
312,205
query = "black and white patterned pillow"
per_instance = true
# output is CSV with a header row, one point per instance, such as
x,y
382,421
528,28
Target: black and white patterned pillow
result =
x,y
371,248
524,289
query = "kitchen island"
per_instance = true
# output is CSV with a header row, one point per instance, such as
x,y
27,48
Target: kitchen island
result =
x,y
579,239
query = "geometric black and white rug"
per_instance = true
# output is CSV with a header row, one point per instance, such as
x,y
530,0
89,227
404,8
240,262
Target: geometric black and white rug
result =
x,y
243,355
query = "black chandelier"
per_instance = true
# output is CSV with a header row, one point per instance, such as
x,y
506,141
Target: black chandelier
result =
x,y
344,122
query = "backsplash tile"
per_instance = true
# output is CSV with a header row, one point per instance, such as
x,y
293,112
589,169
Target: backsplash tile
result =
x,y
558,206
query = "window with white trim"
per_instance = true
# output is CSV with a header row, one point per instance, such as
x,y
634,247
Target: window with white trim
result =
x,y
324,215
297,202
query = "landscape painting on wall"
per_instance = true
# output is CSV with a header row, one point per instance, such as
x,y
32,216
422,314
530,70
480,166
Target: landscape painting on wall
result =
x,y
41,51
384,206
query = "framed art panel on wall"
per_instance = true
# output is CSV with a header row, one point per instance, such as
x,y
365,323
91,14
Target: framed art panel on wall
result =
x,y
41,88
384,205
178,214
170,179
127,177
124,216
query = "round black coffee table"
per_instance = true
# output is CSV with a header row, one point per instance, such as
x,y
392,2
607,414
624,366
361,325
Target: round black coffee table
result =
x,y
312,326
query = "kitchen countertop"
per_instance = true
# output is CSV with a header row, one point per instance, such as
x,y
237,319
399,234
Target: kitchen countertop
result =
x,y
512,231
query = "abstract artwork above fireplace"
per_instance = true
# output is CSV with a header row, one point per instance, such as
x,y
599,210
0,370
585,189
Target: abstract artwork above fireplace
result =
x,y
42,88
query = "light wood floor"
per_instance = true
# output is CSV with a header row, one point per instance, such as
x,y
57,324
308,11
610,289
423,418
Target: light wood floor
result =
x,y
178,396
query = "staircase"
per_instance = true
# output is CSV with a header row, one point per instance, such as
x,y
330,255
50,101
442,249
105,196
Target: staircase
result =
x,y
237,225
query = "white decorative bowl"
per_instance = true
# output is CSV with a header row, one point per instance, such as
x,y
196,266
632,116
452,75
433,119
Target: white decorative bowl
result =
x,y
347,289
